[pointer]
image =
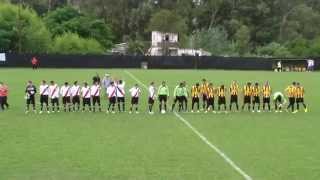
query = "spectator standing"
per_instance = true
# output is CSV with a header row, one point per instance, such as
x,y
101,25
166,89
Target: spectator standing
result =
x,y
35,63
310,65
4,96
279,66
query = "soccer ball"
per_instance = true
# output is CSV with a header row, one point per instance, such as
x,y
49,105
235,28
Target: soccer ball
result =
x,y
163,111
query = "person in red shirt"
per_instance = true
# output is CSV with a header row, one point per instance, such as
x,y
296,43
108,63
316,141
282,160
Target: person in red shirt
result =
x,y
4,96
35,63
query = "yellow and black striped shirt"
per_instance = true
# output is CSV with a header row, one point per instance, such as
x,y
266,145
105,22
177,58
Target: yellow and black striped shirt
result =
x,y
300,92
211,92
221,92
234,89
291,91
204,88
247,90
266,91
256,91
195,91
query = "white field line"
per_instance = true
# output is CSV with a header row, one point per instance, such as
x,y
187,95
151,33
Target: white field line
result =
x,y
202,137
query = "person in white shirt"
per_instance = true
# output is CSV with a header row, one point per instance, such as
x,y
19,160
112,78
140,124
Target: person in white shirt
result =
x,y
111,92
152,97
279,66
54,96
95,93
121,95
86,97
135,94
75,94
44,96
65,92
310,66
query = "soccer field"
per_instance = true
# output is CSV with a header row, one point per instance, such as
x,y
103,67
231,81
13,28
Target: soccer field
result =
x,y
185,146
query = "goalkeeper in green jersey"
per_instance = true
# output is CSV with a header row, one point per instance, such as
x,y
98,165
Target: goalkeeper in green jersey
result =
x,y
163,94
279,101
178,96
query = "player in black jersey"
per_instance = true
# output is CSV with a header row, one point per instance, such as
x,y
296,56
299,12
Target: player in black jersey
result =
x,y
30,91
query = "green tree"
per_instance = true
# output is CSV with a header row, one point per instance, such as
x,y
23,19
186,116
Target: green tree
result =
x,y
68,19
242,38
214,40
273,50
167,21
70,43
21,30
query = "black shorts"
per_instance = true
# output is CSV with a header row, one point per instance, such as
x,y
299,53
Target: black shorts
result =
x,y
256,100
120,99
178,99
86,101
300,100
163,98
204,97
221,100
66,100
210,101
292,100
55,101
278,100
266,100
112,100
184,99
44,99
195,100
134,100
234,99
31,100
96,99
247,99
151,100
76,100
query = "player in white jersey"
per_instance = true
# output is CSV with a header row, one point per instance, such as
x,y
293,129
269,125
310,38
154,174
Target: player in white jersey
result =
x,y
111,92
135,94
86,97
75,94
44,96
65,92
152,97
54,96
120,93
95,93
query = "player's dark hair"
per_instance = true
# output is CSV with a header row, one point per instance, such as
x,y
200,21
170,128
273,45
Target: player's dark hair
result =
x,y
222,86
120,81
52,82
76,82
66,83
197,84
85,83
152,83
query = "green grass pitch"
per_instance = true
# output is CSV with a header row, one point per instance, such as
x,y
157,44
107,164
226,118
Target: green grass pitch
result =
x,y
79,146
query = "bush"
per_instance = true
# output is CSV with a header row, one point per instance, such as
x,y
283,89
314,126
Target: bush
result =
x,y
273,50
70,43
23,31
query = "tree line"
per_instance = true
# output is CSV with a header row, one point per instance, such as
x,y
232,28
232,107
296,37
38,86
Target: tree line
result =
x,y
266,28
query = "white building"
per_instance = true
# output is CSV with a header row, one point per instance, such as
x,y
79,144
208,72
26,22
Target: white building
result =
x,y
167,44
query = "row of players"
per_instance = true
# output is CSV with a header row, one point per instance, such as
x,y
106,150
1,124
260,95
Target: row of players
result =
x,y
90,96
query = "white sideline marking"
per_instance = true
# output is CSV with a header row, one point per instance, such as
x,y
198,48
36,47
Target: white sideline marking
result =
x,y
202,137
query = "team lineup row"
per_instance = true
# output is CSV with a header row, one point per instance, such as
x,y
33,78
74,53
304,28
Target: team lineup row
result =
x,y
115,91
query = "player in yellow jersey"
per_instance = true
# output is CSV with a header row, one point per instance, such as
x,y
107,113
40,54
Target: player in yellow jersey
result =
x,y
256,97
266,93
234,91
195,93
300,97
222,98
204,87
247,92
291,93
211,93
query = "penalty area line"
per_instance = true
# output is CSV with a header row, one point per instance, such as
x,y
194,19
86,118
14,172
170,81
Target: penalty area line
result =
x,y
202,137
